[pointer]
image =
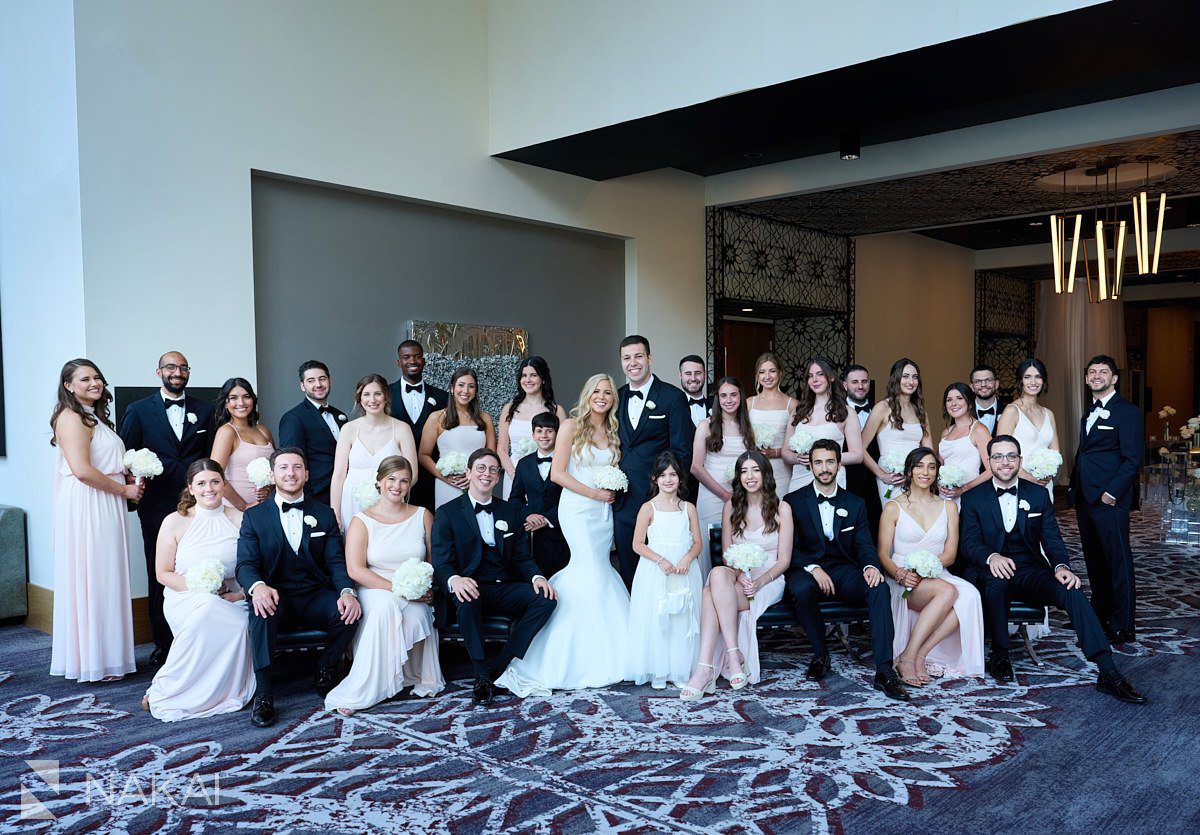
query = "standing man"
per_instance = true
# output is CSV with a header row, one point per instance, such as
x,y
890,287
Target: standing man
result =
x,y
987,405
653,419
313,426
693,376
178,429
856,380
1101,491
413,400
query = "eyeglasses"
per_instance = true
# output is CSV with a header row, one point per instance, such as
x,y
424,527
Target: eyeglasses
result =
x,y
482,469
172,368
1005,456
984,380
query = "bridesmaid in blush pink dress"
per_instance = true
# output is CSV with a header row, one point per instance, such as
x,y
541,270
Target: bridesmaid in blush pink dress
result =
x,y
240,438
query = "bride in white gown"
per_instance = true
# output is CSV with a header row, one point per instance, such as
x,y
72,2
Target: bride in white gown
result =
x,y
584,642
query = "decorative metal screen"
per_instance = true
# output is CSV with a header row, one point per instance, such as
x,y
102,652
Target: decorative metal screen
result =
x,y
1004,325
799,279
1135,337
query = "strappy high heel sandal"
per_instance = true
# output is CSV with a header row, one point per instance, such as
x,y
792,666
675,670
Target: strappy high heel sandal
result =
x,y
738,681
687,693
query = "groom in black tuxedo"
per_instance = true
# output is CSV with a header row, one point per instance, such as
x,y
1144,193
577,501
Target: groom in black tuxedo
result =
x,y
1101,491
292,564
1010,536
413,400
653,418
481,564
833,555
178,429
313,426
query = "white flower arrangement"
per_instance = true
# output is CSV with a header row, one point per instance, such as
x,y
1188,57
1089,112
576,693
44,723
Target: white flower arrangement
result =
x,y
523,447
1043,463
925,564
311,521
206,576
611,478
191,417
650,404
501,525
1187,432
259,472
731,473
801,441
1195,473
142,463
366,495
951,476
452,463
1194,422
892,462
1167,412
745,557
412,580
765,435
1162,450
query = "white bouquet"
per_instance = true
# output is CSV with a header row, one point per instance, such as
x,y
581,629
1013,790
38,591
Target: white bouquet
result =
x,y
731,473
611,478
366,495
801,441
523,447
412,580
1194,422
259,472
765,435
206,576
745,557
452,463
142,463
925,564
1167,412
1043,463
951,476
892,462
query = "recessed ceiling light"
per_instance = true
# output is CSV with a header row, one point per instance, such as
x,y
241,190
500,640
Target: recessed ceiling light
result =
x,y
1036,223
747,310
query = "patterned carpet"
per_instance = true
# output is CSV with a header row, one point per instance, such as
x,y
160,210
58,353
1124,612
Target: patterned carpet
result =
x,y
785,756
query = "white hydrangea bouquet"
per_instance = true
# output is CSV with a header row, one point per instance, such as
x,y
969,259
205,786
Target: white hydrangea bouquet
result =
x,y
259,472
745,557
801,441
523,447
925,564
611,478
765,435
1043,463
452,463
892,462
206,576
951,476
412,580
142,463
366,495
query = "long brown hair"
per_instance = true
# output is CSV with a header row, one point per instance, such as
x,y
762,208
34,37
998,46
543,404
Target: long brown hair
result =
x,y
741,499
768,356
836,410
968,395
358,390
450,415
716,420
893,394
911,462
222,404
186,500
67,402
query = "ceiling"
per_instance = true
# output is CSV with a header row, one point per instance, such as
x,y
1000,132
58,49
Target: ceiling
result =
x,y
1101,52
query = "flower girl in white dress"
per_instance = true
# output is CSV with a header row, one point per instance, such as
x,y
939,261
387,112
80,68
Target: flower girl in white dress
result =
x,y
664,611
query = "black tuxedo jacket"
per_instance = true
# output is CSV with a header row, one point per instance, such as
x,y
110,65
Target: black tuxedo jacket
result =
x,y
982,534
531,494
303,426
1107,458
852,542
666,425
263,550
145,425
422,491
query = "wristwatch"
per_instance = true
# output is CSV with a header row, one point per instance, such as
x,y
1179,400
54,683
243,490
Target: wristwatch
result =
x,y
350,592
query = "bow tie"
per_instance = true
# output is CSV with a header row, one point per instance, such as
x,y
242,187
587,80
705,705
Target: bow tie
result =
x,y
169,403
695,401
1096,404
545,460
292,506
483,508
325,410
419,387
823,499
860,409
1012,491
637,394
991,410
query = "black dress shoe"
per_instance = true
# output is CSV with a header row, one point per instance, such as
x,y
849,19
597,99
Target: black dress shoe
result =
x,y
891,686
325,681
158,657
484,691
263,714
817,668
1115,685
1000,668
1122,638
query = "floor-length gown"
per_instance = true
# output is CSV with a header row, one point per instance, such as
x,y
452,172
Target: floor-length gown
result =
x,y
801,474
664,610
209,670
962,453
960,654
709,505
93,615
584,644
780,420
363,467
768,596
904,441
464,439
239,459
1031,439
396,645
519,430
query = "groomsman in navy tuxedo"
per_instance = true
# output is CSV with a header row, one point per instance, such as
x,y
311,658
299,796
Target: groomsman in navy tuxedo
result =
x,y
1102,492
1011,539
292,563
987,405
693,378
179,430
856,381
313,426
833,555
413,400
536,496
653,418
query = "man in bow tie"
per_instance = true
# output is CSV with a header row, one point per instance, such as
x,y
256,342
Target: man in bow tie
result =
x,y
856,381
987,405
413,400
178,429
693,377
313,426
1103,481
1010,539
536,495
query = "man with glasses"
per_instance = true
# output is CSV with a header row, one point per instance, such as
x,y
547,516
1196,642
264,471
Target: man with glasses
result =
x,y
178,429
1010,539
987,405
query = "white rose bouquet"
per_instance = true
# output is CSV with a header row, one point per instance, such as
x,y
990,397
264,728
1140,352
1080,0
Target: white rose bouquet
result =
x,y
412,580
1043,463
745,557
142,463
259,472
801,441
366,495
765,436
925,564
611,478
452,463
892,462
206,576
523,447
951,476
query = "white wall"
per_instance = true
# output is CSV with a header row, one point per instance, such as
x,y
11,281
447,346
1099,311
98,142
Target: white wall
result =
x,y
41,267
560,67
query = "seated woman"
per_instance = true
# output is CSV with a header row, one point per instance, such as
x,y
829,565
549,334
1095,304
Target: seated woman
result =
x,y
208,671
939,626
396,645
732,600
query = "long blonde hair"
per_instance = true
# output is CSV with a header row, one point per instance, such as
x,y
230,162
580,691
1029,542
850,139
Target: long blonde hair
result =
x,y
581,414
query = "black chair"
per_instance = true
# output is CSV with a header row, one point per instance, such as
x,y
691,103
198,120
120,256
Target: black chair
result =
x,y
301,640
495,628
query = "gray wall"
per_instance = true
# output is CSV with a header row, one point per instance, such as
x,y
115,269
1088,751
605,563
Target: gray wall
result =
x,y
338,275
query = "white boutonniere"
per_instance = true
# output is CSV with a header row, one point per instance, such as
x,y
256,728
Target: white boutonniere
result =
x,y
311,521
501,525
649,404
191,417
841,511
341,418
1024,505
430,401
1103,413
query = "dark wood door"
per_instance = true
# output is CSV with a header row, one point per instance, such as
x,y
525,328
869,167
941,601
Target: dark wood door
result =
x,y
742,342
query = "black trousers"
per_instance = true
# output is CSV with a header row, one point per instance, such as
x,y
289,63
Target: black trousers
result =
x,y
549,551
515,599
314,608
849,586
1036,584
861,482
151,520
1104,532
624,524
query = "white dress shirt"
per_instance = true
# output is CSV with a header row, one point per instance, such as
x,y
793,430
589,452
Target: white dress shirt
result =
x,y
328,417
1008,507
175,414
487,526
988,420
698,412
862,416
292,522
414,401
1095,413
826,509
543,467
638,404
